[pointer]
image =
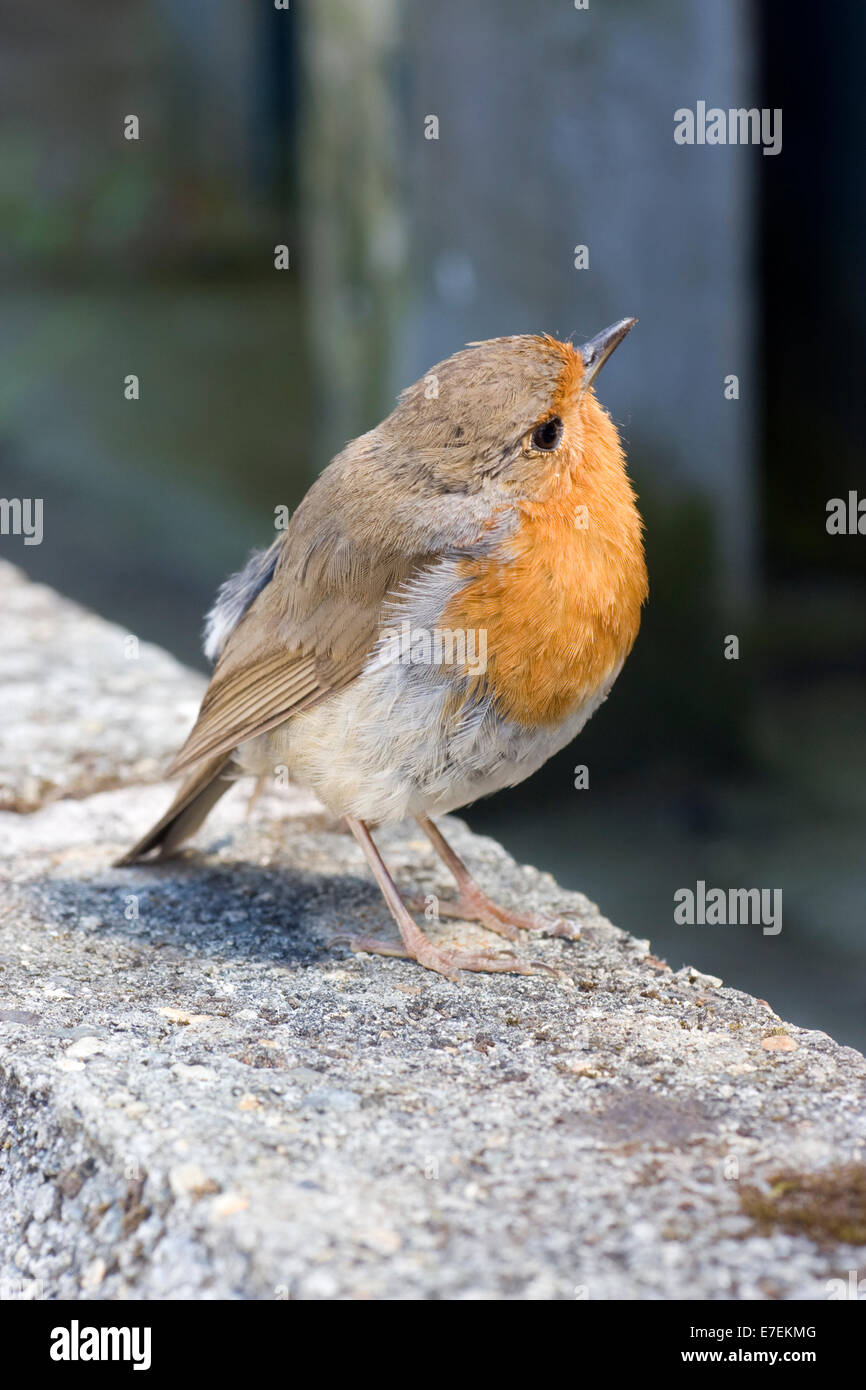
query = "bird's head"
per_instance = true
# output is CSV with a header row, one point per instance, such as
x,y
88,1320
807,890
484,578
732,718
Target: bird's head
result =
x,y
509,415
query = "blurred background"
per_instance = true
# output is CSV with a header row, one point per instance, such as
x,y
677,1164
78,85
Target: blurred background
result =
x,y
308,127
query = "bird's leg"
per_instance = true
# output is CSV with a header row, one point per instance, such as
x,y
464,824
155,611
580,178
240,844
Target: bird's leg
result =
x,y
257,791
416,945
473,904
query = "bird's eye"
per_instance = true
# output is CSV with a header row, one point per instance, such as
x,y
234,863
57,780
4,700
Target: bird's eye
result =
x,y
548,435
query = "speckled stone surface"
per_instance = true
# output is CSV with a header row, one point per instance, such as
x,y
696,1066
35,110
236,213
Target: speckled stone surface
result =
x,y
86,706
206,1096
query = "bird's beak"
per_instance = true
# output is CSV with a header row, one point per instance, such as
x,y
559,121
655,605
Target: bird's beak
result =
x,y
596,352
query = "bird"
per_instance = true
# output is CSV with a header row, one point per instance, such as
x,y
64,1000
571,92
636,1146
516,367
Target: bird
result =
x,y
448,605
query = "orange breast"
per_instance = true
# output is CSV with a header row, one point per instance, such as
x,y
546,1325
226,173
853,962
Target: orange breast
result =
x,y
561,601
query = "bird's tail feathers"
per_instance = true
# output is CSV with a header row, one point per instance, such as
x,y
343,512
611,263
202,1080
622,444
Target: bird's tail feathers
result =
x,y
195,799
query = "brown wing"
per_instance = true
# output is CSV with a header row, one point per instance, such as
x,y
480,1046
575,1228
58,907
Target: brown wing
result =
x,y
311,628
292,648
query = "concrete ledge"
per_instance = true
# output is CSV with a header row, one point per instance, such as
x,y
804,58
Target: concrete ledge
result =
x,y
203,1098
85,705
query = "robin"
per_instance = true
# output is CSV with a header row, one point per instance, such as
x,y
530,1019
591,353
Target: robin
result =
x,y
449,604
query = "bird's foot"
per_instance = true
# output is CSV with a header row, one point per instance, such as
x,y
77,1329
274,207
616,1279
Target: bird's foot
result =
x,y
443,959
473,905
415,945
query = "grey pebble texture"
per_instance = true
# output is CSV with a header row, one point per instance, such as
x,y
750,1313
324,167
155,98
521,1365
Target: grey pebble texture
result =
x,y
206,1095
